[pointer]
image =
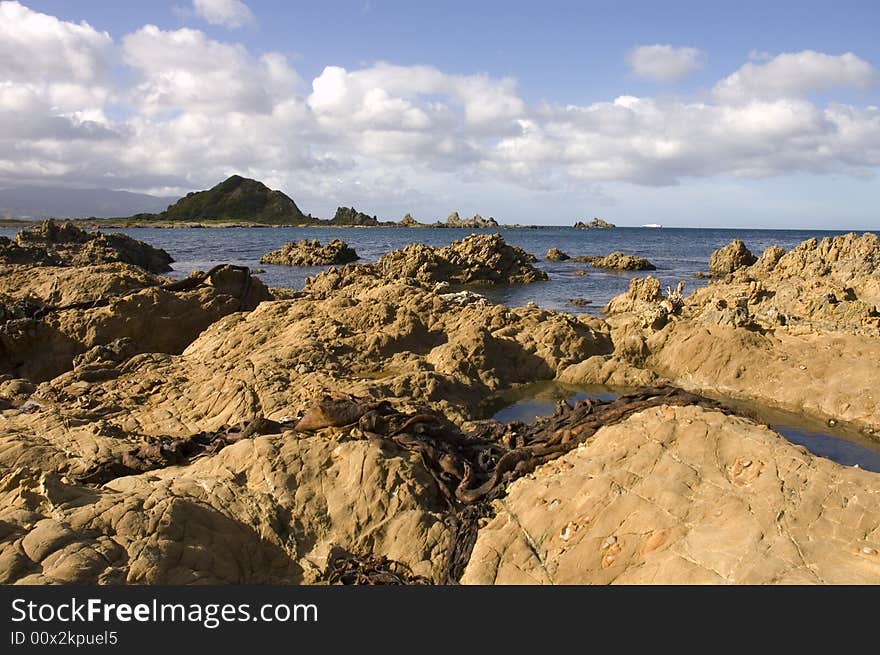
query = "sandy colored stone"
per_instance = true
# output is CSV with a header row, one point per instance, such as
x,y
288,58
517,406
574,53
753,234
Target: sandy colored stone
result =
x,y
682,495
52,243
267,510
311,253
152,319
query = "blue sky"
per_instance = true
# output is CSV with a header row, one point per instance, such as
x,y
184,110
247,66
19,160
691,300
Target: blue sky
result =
x,y
509,109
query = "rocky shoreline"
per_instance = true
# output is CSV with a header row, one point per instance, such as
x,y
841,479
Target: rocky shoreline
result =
x,y
213,430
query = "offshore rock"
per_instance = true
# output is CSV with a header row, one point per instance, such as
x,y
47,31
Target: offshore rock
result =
x,y
352,217
311,253
477,259
618,261
556,255
595,224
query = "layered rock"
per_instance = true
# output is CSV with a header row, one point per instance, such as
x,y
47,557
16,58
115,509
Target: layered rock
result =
x,y
64,244
311,253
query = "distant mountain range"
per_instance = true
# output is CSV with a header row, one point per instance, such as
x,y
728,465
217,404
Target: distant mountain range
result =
x,y
39,202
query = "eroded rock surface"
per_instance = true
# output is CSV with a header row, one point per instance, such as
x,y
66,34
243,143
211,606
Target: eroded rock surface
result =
x,y
798,330
477,259
618,261
311,253
64,244
730,258
682,495
58,314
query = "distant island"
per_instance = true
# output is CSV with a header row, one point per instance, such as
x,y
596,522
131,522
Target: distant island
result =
x,y
595,224
243,202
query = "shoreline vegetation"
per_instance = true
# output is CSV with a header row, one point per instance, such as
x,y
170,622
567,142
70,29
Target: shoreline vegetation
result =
x,y
215,430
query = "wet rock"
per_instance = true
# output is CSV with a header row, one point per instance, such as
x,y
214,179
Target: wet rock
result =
x,y
730,258
64,244
311,253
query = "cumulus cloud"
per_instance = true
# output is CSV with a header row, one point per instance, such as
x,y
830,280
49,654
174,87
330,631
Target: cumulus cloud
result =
x,y
192,109
229,13
665,63
185,69
795,74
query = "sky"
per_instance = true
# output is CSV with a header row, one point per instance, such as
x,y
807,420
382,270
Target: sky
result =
x,y
691,114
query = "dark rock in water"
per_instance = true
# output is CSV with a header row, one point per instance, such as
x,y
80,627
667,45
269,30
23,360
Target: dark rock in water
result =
x,y
595,224
618,261
311,253
730,258
351,216
580,302
556,255
241,199
64,244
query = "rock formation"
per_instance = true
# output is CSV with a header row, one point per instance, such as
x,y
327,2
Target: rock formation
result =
x,y
618,261
477,259
64,244
352,217
595,224
474,223
311,253
798,330
730,258
158,432
45,326
409,221
556,255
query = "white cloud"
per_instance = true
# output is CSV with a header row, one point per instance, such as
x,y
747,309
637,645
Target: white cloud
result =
x,y
795,74
192,110
184,69
665,63
229,13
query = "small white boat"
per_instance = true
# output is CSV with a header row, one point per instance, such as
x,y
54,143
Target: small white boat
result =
x,y
652,225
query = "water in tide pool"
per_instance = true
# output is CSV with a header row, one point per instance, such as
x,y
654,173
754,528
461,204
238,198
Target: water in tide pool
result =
x,y
678,253
840,444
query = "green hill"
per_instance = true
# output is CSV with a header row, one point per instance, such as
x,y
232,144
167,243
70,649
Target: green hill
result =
x,y
238,199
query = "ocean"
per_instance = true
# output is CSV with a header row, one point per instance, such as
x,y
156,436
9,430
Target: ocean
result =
x,y
678,253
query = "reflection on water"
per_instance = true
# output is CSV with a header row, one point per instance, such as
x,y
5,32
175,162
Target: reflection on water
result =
x,y
837,443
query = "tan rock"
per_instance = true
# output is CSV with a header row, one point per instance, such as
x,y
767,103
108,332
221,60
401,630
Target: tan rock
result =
x,y
682,495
